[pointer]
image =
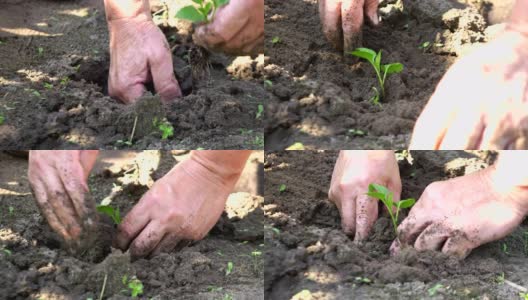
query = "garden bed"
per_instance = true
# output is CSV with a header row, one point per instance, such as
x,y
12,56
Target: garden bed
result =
x,y
54,64
308,254
323,101
34,265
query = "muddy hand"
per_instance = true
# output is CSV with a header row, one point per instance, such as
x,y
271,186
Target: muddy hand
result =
x,y
237,29
139,53
59,183
482,101
183,205
353,172
343,20
458,215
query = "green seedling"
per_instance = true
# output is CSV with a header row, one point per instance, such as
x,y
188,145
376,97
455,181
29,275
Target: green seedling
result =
x,y
424,46
282,188
432,291
113,213
134,285
500,278
2,120
229,268
524,296
505,248
275,40
203,12
275,230
382,71
40,51
260,110
296,146
166,129
48,86
11,210
227,297
6,251
65,80
268,83
357,132
214,289
384,195
259,141
363,280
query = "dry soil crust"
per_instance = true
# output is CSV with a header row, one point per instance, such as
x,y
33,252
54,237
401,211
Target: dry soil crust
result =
x,y
310,252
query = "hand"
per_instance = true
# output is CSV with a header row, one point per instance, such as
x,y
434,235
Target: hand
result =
x,y
59,183
237,29
139,53
458,215
183,205
343,21
353,172
482,101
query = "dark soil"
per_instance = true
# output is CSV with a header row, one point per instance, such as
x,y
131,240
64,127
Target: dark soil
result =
x,y
53,86
35,266
319,96
310,252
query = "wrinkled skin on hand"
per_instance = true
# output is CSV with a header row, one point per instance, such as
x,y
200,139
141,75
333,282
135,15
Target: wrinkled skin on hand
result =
x,y
482,101
139,53
353,172
458,215
182,206
343,20
58,180
237,29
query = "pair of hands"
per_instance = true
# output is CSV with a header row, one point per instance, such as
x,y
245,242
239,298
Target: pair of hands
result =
x,y
238,28
482,101
454,216
181,206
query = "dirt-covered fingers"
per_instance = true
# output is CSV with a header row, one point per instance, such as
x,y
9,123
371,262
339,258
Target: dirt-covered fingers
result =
x,y
330,14
432,238
41,196
352,22
411,228
162,72
147,240
170,242
458,244
366,216
465,132
133,224
509,130
347,210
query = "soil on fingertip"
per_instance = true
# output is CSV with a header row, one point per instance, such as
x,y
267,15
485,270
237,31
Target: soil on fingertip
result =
x,y
323,100
308,254
54,63
36,265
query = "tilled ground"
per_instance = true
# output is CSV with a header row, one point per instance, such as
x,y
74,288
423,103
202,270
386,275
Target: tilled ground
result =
x,y
307,253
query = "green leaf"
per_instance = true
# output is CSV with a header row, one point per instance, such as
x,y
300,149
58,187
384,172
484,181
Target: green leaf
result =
x,y
2,119
199,2
105,209
282,188
260,110
406,203
364,53
376,195
377,61
191,13
207,8
390,201
296,146
229,268
379,188
220,3
392,68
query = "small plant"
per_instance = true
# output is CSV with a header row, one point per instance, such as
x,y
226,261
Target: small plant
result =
x,y
134,285
500,278
48,86
268,83
111,212
6,251
282,188
424,46
505,248
384,195
203,12
165,127
524,296
357,132
275,40
432,291
2,120
363,280
260,110
381,70
11,210
296,146
40,51
212,288
229,268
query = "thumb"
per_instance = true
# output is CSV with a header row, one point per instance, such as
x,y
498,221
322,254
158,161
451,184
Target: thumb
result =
x,y
371,11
